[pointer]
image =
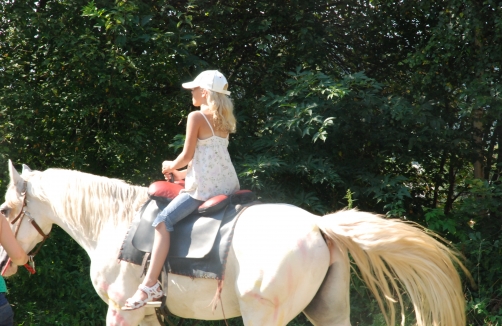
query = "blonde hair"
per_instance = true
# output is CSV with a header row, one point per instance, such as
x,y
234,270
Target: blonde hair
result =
x,y
223,111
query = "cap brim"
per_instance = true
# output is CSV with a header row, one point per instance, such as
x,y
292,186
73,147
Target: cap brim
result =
x,y
190,85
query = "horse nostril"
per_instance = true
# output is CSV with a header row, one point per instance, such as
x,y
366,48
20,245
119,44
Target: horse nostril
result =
x,y
5,211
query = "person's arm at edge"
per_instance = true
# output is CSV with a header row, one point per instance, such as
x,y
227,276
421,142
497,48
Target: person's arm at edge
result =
x,y
8,241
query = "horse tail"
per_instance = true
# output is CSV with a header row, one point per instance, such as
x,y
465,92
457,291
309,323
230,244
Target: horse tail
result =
x,y
391,254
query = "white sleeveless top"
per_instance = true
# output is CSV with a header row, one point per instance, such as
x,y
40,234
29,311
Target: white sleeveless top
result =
x,y
211,171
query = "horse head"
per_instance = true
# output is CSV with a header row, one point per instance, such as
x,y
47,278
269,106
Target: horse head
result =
x,y
29,224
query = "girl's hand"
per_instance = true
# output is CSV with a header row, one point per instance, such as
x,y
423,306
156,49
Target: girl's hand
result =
x,y
177,175
167,167
169,177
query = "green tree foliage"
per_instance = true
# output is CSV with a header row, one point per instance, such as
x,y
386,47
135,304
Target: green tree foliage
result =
x,y
90,88
455,69
391,107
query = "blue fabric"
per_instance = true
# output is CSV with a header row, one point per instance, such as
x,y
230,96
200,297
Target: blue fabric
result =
x,y
179,208
3,299
6,313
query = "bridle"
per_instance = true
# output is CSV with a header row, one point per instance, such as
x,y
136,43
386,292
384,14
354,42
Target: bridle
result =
x,y
31,266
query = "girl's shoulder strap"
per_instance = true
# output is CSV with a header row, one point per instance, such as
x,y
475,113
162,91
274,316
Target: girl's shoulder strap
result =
x,y
207,122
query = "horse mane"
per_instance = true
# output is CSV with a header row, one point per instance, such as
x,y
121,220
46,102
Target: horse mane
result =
x,y
84,201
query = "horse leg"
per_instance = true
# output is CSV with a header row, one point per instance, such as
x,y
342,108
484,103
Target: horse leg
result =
x,y
142,317
266,305
150,320
331,304
114,282
117,317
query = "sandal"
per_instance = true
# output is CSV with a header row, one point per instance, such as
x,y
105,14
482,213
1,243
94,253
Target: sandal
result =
x,y
153,293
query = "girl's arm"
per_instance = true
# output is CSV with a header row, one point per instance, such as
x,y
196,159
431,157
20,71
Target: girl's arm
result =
x,y
10,244
193,125
179,175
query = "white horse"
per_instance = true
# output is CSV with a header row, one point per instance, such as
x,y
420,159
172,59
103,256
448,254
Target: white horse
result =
x,y
283,260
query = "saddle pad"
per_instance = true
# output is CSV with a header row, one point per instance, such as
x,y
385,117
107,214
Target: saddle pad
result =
x,y
192,237
203,255
144,232
127,251
212,265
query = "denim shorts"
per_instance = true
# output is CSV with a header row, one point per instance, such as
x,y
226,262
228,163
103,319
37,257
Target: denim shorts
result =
x,y
179,208
6,315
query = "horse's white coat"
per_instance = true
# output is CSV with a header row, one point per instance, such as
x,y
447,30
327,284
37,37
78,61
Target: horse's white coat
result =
x,y
275,267
278,264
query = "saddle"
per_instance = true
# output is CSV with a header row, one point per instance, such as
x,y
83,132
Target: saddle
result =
x,y
199,243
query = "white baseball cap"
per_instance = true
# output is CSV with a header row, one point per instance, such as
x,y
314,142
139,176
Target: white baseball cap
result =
x,y
209,79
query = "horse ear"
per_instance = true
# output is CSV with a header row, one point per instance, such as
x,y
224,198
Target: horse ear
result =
x,y
15,178
26,169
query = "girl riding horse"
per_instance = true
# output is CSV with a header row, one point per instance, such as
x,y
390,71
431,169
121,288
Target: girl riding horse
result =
x,y
210,171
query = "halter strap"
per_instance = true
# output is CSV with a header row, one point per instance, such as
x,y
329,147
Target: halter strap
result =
x,y
21,213
207,122
34,223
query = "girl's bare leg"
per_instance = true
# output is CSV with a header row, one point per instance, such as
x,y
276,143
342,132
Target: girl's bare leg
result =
x,y
160,249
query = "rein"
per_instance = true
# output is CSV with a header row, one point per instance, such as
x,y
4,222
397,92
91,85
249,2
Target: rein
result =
x,y
30,266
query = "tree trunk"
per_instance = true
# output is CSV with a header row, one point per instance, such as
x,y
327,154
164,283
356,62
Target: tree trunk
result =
x,y
451,188
478,140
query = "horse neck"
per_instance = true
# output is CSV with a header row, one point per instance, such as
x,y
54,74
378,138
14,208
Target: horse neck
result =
x,y
85,206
